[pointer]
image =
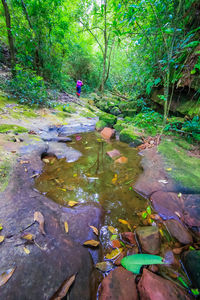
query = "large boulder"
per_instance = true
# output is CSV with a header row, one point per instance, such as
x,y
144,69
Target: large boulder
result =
x,y
119,285
154,287
178,231
149,239
191,260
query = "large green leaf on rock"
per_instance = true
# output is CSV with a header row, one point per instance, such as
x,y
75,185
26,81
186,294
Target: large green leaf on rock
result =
x,y
134,262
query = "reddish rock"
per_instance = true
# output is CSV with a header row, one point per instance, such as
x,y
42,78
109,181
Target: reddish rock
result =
x,y
117,262
121,160
129,237
108,133
192,209
178,231
113,154
154,287
149,239
119,285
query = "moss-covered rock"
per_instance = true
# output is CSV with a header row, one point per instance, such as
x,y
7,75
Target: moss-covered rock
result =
x,y
100,125
13,128
109,120
120,125
115,111
127,135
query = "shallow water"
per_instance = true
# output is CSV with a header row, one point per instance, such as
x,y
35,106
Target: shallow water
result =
x,y
96,177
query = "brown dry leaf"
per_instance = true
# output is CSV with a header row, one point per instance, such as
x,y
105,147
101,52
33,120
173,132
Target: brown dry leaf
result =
x,y
104,266
5,276
92,243
26,250
122,160
72,203
66,227
38,217
112,229
24,162
114,253
2,238
27,236
95,230
63,290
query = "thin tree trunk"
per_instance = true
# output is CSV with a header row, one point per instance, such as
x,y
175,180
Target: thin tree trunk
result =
x,y
10,36
105,48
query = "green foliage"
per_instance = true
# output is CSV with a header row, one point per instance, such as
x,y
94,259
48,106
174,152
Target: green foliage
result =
x,y
128,135
120,125
109,120
100,125
13,128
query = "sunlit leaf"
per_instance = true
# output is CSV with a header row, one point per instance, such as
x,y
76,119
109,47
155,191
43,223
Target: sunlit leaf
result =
x,y
114,253
134,262
75,175
27,236
92,243
179,195
5,276
195,292
144,214
66,227
72,203
112,229
38,217
1,226
104,266
114,237
45,160
169,169
148,210
26,250
63,290
183,282
2,238
95,230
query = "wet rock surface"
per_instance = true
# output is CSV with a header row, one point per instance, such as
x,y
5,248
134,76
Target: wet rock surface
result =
x,y
154,287
149,239
119,285
178,231
53,257
191,260
108,133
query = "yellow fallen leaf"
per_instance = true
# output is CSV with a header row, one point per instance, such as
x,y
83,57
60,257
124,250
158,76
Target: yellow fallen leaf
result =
x,y
75,175
27,236
112,229
66,227
179,195
5,276
114,253
38,217
2,238
92,243
114,179
1,226
45,160
125,223
169,169
72,203
95,230
64,190
26,250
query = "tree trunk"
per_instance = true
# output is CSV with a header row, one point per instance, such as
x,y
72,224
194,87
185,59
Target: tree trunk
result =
x,y
105,48
10,36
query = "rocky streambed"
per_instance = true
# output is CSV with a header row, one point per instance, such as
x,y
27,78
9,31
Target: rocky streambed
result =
x,y
162,221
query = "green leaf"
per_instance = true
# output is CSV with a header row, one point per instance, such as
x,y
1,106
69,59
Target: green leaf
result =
x,y
134,262
195,292
148,210
114,237
144,215
183,282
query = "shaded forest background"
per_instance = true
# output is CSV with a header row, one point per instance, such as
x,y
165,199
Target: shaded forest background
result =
x,y
138,51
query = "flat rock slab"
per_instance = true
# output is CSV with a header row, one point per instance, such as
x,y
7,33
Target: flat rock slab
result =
x,y
119,285
170,206
191,260
177,230
113,154
154,287
53,257
149,239
154,175
107,133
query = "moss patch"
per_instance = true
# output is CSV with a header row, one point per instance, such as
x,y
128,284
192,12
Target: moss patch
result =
x,y
100,125
110,120
13,128
5,170
127,135
120,125
185,169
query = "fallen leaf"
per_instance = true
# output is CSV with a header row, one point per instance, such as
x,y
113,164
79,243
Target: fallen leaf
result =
x,y
114,179
1,226
179,195
2,237
115,244
45,160
92,243
66,227
25,170
104,266
163,181
38,217
95,230
112,229
121,160
35,175
168,169
27,236
123,221
24,162
72,203
70,188
26,250
114,253
5,276
75,175
87,148
113,237
63,290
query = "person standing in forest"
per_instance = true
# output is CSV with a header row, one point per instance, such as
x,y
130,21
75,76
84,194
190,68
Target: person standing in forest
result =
x,y
79,84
